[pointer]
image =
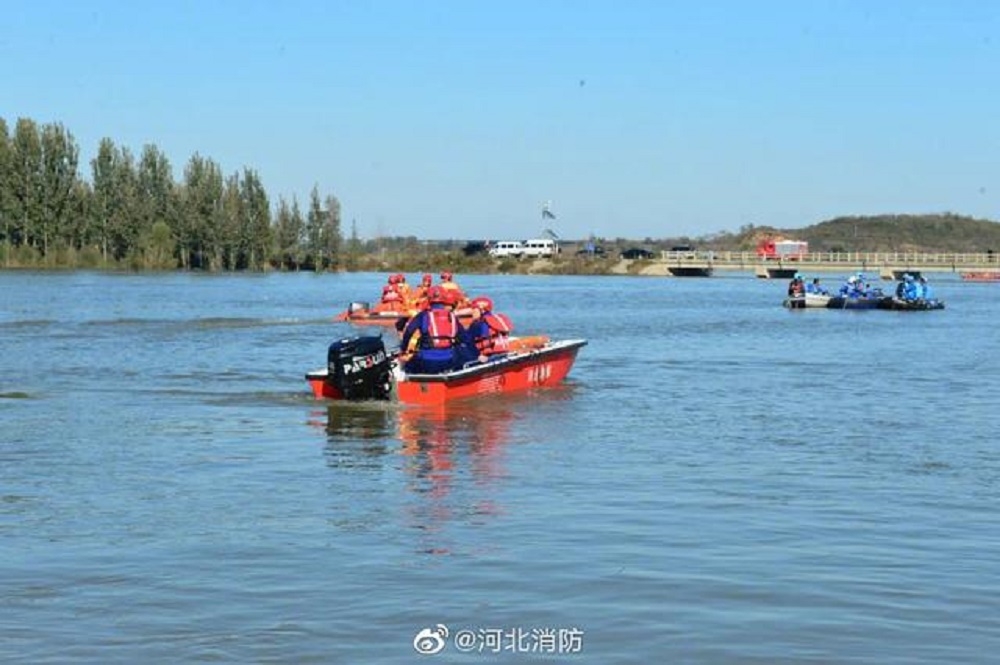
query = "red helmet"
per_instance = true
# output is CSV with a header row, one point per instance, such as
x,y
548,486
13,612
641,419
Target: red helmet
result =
x,y
400,278
426,279
392,279
482,303
436,294
446,276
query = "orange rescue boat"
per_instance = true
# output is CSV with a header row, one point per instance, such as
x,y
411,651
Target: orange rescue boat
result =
x,y
981,276
360,368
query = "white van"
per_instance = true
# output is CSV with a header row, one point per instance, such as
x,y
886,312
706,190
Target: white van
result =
x,y
507,248
540,247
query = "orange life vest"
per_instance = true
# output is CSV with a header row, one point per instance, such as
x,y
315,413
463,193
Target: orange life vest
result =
x,y
440,329
499,340
390,294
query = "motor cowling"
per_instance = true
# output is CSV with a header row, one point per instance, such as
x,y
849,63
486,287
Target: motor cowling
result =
x,y
360,368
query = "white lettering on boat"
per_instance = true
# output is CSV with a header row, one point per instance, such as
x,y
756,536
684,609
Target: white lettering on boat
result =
x,y
539,374
364,362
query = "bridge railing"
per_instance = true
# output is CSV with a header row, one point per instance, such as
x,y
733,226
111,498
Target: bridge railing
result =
x,y
944,260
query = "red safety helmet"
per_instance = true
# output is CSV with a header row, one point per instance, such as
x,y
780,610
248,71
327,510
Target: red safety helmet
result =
x,y
446,276
482,303
400,278
427,279
437,295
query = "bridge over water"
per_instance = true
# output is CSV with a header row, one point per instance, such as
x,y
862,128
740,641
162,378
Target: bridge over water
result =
x,y
888,265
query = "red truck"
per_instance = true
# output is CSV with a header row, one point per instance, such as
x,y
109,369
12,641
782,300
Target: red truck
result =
x,y
778,248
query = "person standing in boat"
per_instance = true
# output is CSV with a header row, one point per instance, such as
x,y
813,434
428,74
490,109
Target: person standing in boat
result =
x,y
431,338
797,291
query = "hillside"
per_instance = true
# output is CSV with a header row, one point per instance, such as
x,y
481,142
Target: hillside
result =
x,y
881,233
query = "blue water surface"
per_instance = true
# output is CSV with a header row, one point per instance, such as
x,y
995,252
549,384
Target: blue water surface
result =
x,y
720,480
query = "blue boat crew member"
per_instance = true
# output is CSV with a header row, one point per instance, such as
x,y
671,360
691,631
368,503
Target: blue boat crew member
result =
x,y
925,288
430,339
816,288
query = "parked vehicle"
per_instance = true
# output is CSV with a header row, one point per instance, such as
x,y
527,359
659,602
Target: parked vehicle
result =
x,y
780,248
591,250
540,247
633,253
504,248
474,247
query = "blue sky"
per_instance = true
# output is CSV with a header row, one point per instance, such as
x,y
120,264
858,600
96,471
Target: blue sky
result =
x,y
460,118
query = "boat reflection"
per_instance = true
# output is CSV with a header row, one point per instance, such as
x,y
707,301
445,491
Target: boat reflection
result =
x,y
358,434
433,437
454,462
449,458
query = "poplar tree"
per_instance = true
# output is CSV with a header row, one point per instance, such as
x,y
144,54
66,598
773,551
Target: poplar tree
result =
x,y
158,207
255,224
56,180
6,188
26,188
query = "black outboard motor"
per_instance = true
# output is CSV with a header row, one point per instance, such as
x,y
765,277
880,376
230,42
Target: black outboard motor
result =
x,y
360,368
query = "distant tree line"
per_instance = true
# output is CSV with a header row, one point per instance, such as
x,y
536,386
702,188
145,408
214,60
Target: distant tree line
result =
x,y
132,214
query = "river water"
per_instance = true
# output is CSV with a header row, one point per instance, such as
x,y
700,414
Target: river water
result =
x,y
720,480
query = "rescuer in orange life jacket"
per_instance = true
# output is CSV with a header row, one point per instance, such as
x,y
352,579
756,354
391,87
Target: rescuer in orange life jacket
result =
x,y
489,332
448,283
437,348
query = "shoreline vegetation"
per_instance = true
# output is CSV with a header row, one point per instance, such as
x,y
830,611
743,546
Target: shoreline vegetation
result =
x,y
130,214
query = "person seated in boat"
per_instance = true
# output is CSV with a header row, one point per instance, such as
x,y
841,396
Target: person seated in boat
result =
x,y
861,286
431,338
852,288
417,297
911,289
402,287
816,288
419,293
847,287
797,291
391,300
448,283
925,288
900,287
489,332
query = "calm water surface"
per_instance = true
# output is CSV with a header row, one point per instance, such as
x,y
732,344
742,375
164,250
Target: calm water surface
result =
x,y
720,481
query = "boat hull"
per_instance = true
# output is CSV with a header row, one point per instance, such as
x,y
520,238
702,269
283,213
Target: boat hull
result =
x,y
878,302
840,302
981,276
537,368
910,305
809,300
